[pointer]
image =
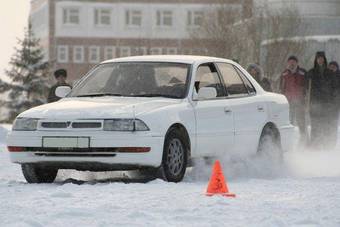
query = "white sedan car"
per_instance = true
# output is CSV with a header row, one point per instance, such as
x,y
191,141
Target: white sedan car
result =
x,y
150,112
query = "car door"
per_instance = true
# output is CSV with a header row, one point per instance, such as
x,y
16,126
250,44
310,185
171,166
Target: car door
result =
x,y
248,109
214,120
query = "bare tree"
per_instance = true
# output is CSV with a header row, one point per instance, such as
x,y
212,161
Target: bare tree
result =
x,y
278,41
216,33
264,36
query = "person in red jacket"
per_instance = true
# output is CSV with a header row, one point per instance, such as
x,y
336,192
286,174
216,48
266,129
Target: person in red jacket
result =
x,y
293,86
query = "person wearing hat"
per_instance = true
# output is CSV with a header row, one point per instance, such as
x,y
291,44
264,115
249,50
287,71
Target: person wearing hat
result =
x,y
322,102
334,66
60,75
293,86
257,73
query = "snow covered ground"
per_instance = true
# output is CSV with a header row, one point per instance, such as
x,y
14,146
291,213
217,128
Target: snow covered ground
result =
x,y
303,191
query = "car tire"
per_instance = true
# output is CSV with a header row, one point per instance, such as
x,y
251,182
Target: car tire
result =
x,y
269,145
175,157
37,174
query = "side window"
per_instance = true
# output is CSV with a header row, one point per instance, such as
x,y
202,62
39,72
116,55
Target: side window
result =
x,y
248,84
232,80
207,76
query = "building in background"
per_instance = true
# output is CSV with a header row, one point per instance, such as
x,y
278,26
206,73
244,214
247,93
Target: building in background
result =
x,y
77,34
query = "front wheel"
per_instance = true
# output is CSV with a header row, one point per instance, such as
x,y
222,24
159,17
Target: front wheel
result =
x,y
37,174
174,161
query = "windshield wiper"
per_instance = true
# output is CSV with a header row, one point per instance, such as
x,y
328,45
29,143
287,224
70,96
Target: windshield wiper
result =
x,y
99,94
157,95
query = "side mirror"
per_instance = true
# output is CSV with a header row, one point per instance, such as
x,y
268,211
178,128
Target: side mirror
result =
x,y
206,93
62,91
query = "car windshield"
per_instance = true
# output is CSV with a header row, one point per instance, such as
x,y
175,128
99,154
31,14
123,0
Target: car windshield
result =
x,y
136,79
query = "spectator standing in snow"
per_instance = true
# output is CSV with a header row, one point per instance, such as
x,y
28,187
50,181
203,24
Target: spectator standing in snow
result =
x,y
334,67
60,75
322,93
293,86
256,72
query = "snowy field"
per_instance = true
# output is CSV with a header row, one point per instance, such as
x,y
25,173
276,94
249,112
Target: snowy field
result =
x,y
303,191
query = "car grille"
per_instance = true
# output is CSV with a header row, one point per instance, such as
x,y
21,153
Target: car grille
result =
x,y
54,124
71,125
74,154
86,125
79,150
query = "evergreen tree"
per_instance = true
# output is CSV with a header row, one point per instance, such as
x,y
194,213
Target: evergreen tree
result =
x,y
28,74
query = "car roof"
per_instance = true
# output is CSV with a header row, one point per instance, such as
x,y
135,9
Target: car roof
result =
x,y
188,59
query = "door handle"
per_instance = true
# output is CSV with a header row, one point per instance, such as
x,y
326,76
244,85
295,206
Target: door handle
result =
x,y
260,108
227,110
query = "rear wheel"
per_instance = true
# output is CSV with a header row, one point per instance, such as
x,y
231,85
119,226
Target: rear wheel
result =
x,y
269,145
175,158
36,174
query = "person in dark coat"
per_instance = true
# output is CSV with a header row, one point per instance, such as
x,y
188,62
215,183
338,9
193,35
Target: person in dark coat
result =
x,y
334,67
322,97
256,72
60,75
293,86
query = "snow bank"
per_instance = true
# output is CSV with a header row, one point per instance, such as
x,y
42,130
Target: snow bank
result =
x,y
278,201
301,191
299,163
316,38
4,128
313,163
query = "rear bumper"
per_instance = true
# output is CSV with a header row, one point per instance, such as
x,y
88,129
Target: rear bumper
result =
x,y
289,137
103,158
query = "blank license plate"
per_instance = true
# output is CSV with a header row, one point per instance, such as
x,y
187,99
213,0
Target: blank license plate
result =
x,y
78,142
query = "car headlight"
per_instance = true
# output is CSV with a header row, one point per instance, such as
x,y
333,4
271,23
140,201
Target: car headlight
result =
x,y
25,124
125,125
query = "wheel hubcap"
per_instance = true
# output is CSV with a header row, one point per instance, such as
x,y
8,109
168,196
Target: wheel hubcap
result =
x,y
175,159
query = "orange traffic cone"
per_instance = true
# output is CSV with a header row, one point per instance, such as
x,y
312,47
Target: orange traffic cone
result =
x,y
217,184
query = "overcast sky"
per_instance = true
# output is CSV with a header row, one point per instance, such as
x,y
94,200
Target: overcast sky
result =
x,y
13,20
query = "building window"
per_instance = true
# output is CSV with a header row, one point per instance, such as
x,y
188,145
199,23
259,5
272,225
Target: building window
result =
x,y
78,54
171,50
125,51
164,18
102,17
186,51
94,54
195,18
109,52
71,16
140,50
143,51
133,18
62,54
200,51
155,50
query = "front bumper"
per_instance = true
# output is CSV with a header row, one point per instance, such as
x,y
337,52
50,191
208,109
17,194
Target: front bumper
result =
x,y
99,151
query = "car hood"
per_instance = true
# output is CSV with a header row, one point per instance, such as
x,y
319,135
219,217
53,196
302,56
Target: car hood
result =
x,y
98,108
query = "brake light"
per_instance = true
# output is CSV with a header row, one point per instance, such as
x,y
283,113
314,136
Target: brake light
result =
x,y
15,149
134,149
